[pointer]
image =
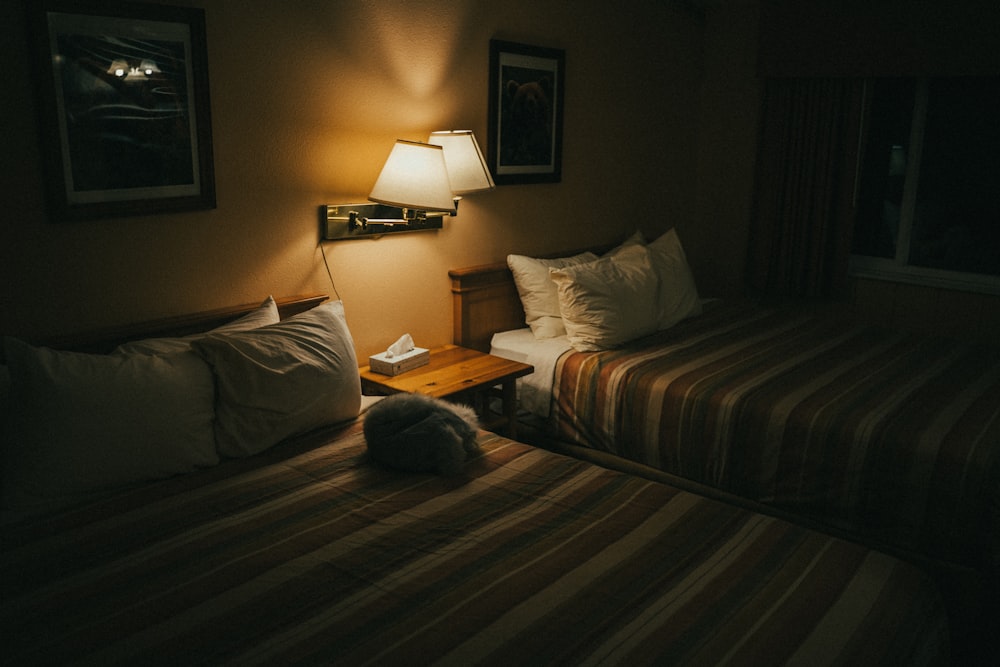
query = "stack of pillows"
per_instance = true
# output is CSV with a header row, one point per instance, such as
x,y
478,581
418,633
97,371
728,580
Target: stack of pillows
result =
x,y
78,423
603,302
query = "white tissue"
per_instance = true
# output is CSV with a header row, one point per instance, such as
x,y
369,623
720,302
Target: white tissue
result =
x,y
401,346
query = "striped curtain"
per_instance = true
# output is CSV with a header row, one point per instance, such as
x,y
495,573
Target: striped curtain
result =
x,y
807,164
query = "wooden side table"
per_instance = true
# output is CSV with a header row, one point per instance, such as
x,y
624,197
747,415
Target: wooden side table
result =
x,y
452,372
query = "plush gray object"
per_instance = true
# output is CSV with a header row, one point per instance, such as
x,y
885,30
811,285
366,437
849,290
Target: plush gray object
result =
x,y
420,434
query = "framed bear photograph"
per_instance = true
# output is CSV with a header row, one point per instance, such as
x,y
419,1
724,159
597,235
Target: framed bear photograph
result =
x,y
527,89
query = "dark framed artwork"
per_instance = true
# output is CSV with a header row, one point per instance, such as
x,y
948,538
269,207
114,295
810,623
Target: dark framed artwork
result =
x,y
124,108
527,92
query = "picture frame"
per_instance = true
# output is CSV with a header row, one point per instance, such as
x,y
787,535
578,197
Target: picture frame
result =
x,y
124,109
526,100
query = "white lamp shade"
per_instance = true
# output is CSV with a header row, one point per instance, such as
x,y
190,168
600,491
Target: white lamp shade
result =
x,y
467,170
414,176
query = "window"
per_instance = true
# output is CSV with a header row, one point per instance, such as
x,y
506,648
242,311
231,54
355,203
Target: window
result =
x,y
928,208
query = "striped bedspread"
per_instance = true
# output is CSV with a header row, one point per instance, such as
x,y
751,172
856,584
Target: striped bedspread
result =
x,y
308,554
892,437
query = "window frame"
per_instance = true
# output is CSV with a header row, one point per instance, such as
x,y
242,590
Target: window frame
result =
x,y
898,268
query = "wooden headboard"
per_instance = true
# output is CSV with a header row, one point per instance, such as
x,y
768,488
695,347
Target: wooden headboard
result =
x,y
484,301
105,340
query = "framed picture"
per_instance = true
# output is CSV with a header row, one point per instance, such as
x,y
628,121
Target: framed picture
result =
x,y
124,108
527,89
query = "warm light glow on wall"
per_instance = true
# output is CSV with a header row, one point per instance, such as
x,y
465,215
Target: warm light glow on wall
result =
x,y
419,48
402,81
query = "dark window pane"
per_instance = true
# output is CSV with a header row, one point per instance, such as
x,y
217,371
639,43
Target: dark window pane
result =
x,y
956,223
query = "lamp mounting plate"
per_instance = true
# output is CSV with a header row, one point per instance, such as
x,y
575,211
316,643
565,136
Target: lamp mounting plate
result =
x,y
357,221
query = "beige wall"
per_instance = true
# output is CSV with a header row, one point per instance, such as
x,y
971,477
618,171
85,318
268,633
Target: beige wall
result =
x,y
307,98
727,146
932,310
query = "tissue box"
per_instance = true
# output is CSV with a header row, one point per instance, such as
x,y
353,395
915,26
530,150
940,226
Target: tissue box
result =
x,y
400,363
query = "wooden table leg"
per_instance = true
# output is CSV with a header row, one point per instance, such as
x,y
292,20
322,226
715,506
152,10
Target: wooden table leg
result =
x,y
509,407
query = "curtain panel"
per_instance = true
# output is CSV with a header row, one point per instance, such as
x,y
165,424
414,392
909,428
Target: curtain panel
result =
x,y
807,166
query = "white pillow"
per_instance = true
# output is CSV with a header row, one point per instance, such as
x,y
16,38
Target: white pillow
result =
x,y
266,313
538,292
678,294
609,301
84,422
282,379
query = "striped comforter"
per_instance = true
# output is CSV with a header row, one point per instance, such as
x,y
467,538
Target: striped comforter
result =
x,y
891,437
308,554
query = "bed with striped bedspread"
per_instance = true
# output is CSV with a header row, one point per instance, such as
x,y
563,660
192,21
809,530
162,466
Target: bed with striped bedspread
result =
x,y
891,437
309,554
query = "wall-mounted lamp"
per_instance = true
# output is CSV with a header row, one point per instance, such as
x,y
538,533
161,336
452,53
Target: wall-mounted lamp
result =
x,y
467,170
415,176
419,185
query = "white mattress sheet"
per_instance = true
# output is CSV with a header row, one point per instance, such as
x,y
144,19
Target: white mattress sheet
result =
x,y
534,391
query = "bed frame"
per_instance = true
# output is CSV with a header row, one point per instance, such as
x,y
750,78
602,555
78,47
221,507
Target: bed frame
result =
x,y
485,301
106,339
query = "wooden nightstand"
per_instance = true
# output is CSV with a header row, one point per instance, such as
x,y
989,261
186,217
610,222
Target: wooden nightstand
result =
x,y
454,373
